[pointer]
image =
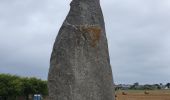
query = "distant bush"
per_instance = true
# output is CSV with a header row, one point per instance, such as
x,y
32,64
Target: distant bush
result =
x,y
12,86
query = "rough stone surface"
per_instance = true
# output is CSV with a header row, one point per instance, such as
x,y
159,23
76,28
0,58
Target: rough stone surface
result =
x,y
80,65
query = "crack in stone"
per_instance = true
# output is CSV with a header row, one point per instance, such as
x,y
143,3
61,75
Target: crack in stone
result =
x,y
89,32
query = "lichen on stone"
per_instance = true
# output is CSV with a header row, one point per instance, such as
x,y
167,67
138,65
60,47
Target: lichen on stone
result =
x,y
93,32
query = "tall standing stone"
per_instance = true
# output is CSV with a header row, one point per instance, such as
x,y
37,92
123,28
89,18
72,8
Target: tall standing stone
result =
x,y
80,65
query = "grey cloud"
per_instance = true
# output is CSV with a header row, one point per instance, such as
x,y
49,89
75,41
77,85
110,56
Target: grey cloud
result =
x,y
137,31
137,35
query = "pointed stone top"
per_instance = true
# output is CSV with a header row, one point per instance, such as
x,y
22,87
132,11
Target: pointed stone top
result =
x,y
87,1
85,12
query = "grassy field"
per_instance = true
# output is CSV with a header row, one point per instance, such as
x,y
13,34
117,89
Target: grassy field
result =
x,y
143,95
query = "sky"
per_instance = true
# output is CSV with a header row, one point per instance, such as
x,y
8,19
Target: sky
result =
x,y
138,37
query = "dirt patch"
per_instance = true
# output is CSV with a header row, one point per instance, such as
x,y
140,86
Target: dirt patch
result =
x,y
143,96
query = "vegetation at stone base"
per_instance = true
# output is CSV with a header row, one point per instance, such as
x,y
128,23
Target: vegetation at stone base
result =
x,y
12,86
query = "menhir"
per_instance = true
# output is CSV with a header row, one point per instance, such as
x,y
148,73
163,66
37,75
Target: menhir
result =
x,y
80,65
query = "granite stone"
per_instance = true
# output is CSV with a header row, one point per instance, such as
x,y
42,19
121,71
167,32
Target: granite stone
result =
x,y
80,64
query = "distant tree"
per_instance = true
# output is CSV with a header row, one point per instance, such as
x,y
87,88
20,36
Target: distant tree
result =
x,y
161,84
132,87
4,81
157,86
168,85
135,86
12,86
39,86
148,87
32,86
26,88
43,89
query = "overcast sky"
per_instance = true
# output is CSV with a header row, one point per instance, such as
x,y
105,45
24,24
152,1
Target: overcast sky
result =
x,y
138,34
